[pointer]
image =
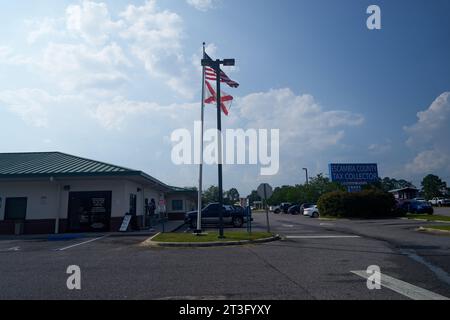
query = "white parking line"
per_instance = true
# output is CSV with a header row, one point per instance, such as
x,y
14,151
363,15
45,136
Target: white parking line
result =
x,y
404,288
326,224
15,249
80,244
322,237
287,225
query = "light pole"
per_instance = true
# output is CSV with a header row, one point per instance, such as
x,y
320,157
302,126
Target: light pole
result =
x,y
216,66
307,177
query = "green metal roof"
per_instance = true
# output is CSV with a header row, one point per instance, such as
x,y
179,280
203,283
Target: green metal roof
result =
x,y
57,164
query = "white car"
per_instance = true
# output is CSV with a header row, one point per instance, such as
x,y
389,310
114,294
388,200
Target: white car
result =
x,y
440,202
312,212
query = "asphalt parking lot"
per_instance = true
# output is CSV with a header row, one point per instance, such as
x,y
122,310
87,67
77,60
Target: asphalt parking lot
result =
x,y
316,260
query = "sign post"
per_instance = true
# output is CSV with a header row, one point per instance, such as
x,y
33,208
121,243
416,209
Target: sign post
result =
x,y
265,191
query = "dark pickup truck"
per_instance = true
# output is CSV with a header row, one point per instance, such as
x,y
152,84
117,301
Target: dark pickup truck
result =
x,y
232,215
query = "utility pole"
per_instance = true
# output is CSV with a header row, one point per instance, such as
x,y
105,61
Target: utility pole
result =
x,y
200,185
307,176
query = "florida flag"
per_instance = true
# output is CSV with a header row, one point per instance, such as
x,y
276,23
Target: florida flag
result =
x,y
211,98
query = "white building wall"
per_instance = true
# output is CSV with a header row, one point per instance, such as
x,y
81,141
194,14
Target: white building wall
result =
x,y
42,197
48,200
45,199
188,203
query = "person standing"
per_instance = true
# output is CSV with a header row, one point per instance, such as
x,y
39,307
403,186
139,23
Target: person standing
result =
x,y
151,210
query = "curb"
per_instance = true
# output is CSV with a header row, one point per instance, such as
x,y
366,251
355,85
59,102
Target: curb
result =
x,y
434,231
208,244
426,220
53,237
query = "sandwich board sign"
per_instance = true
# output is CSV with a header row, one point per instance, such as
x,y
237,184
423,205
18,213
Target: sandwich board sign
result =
x,y
126,223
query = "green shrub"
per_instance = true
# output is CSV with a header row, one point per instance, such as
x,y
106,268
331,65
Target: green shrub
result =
x,y
366,204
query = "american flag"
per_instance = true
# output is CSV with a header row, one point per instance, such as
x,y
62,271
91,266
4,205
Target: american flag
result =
x,y
210,74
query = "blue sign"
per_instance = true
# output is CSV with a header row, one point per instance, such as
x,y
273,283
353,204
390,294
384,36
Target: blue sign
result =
x,y
354,176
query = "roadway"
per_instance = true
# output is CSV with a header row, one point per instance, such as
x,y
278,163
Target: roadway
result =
x,y
317,260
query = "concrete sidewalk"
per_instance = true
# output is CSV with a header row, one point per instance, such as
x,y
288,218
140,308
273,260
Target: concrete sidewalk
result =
x,y
169,226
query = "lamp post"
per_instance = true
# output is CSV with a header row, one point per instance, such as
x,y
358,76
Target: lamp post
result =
x,y
307,177
216,66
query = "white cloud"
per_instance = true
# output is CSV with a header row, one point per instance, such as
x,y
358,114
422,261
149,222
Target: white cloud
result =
x,y
301,120
155,38
432,124
430,161
429,137
380,148
119,112
41,28
91,21
77,66
202,5
9,57
32,105
90,48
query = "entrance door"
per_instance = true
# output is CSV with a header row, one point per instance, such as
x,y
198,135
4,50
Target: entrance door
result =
x,y
89,211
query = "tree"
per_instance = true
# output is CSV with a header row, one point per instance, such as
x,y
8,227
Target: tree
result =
x,y
387,184
254,197
308,193
433,186
211,195
317,187
232,196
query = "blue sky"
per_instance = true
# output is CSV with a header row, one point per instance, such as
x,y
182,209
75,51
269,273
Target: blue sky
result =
x,y
111,80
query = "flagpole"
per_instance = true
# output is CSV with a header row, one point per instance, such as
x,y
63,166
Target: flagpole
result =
x,y
200,185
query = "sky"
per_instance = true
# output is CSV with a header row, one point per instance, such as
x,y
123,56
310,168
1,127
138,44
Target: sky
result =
x,y
111,81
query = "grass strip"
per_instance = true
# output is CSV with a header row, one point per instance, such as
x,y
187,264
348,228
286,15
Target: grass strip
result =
x,y
210,237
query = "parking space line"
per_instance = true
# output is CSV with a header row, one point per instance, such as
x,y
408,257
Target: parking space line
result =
x,y
322,237
404,288
15,249
80,244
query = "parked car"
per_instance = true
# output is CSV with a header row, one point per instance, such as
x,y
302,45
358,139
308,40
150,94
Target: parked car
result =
x,y
232,215
295,209
305,206
440,202
311,211
418,207
420,199
284,207
276,209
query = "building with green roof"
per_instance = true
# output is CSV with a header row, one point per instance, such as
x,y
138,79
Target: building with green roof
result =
x,y
54,192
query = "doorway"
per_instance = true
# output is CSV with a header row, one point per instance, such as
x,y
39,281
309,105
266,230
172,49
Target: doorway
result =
x,y
90,211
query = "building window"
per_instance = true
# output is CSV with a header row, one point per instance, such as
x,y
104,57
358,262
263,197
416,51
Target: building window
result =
x,y
15,209
177,205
